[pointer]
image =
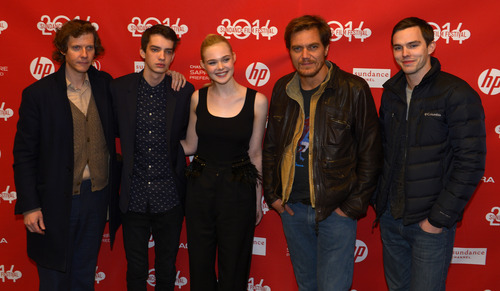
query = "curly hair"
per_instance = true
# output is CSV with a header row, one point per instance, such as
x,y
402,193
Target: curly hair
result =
x,y
74,28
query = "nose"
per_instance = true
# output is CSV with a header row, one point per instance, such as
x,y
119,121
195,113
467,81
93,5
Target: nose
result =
x,y
406,51
219,65
84,53
305,53
162,55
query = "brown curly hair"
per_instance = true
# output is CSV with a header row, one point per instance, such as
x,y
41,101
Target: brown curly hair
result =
x,y
74,28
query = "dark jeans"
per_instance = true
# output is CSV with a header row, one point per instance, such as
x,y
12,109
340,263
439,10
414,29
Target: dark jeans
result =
x,y
87,221
414,259
220,219
166,230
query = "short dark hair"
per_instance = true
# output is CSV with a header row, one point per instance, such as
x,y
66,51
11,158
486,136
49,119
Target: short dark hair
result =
x,y
425,28
160,29
307,22
74,28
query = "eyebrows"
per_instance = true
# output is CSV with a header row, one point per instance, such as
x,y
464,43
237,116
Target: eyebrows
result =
x,y
154,47
407,44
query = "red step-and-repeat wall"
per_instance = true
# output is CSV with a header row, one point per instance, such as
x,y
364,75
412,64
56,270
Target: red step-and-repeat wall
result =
x,y
467,34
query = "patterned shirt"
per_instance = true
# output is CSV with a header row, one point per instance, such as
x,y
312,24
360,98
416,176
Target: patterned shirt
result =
x,y
153,188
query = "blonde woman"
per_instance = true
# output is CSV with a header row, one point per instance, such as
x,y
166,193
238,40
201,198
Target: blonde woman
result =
x,y
225,132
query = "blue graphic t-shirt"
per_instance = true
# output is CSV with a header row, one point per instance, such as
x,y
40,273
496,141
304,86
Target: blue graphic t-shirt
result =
x,y
300,188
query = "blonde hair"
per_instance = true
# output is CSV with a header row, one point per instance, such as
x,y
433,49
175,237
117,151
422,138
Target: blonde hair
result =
x,y
212,39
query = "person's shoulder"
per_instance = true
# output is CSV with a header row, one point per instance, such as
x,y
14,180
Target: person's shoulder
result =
x,y
47,83
126,78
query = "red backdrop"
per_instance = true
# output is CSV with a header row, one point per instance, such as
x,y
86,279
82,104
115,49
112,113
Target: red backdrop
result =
x,y
467,38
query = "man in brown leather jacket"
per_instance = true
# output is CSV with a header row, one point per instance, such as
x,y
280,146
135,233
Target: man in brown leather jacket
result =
x,y
321,159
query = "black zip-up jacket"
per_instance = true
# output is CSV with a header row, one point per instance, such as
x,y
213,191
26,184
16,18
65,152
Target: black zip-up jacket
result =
x,y
345,150
444,150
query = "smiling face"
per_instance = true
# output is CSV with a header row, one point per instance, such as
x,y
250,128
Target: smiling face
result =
x,y
158,56
80,54
412,53
218,60
308,54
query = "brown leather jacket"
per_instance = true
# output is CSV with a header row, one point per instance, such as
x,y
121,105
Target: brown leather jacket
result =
x,y
345,150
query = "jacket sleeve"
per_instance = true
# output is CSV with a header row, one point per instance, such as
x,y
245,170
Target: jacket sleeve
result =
x,y
26,153
270,168
368,154
467,135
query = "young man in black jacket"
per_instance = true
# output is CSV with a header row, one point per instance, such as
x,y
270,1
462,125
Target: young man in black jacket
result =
x,y
433,136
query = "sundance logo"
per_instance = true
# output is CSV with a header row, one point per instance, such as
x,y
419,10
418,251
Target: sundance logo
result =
x,y
494,216
9,274
8,196
254,286
138,66
374,77
257,74
469,256
5,113
99,276
41,67
259,246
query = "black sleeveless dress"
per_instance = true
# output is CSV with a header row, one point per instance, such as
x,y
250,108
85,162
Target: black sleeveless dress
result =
x,y
221,199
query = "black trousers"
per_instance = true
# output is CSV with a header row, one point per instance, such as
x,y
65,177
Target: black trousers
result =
x,y
166,230
220,219
87,222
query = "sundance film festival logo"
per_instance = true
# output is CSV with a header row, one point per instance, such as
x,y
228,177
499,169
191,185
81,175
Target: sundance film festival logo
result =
x,y
253,286
3,25
41,67
137,26
360,252
9,274
99,276
497,130
494,216
8,196
489,82
265,207
5,113
257,74
48,26
179,281
348,30
445,32
242,29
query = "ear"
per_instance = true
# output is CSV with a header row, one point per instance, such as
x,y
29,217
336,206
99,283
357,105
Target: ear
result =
x,y
234,56
202,64
431,47
326,50
143,53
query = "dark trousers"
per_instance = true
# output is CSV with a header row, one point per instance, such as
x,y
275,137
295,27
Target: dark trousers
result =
x,y
166,230
220,218
87,221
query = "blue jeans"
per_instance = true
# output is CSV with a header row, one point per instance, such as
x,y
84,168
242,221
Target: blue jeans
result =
x,y
414,259
322,260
